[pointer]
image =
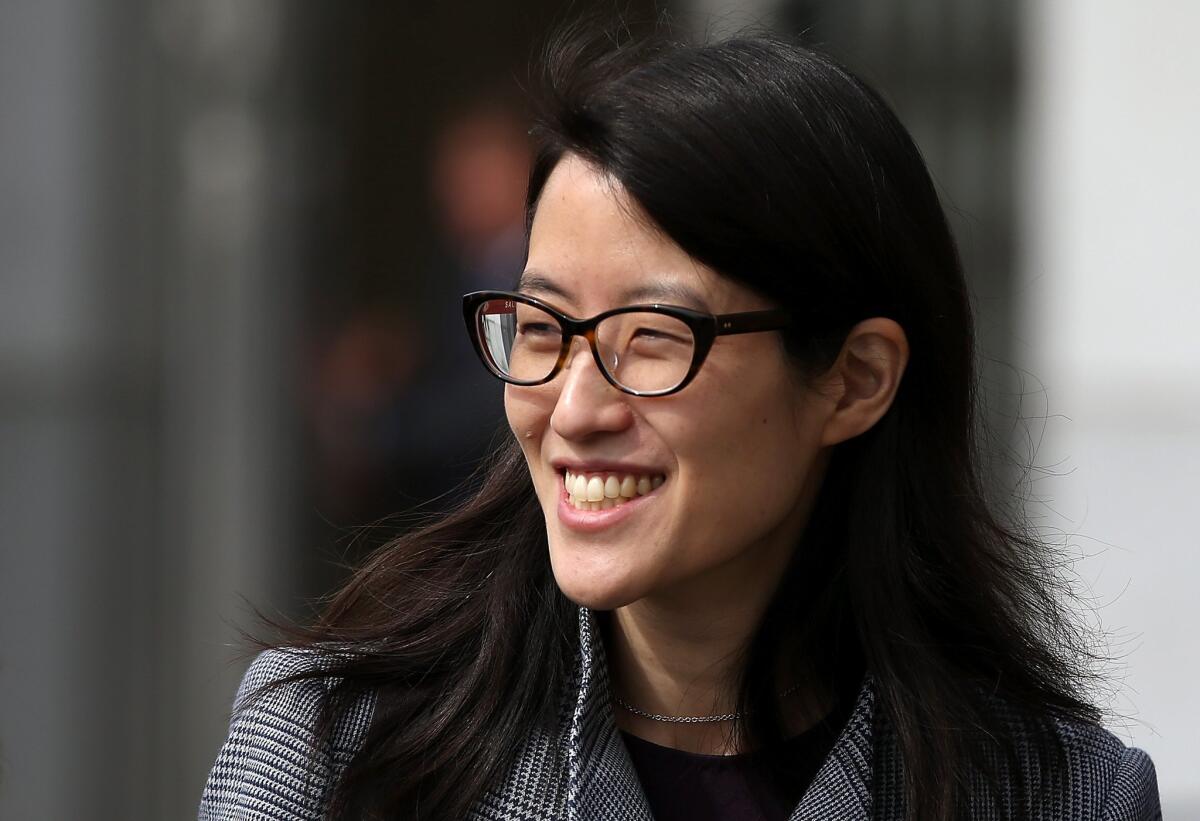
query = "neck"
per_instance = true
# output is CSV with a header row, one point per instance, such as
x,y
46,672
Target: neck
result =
x,y
674,665
682,653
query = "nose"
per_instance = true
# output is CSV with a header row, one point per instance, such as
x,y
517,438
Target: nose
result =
x,y
587,404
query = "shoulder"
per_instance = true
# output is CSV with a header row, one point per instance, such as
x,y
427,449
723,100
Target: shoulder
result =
x,y
270,765
1075,769
1119,780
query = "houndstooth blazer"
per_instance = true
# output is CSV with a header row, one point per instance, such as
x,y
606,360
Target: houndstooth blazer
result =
x,y
582,772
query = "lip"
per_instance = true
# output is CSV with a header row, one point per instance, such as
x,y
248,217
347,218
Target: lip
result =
x,y
605,466
593,521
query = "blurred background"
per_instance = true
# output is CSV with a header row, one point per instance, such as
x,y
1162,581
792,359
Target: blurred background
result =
x,y
233,234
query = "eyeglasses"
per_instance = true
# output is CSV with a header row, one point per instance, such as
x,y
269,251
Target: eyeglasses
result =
x,y
644,350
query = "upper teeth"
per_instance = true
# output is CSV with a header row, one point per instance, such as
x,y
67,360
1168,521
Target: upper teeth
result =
x,y
599,491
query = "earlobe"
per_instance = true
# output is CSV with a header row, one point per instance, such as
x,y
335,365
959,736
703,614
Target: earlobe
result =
x,y
868,371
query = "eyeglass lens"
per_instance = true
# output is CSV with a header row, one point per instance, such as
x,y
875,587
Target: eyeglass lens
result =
x,y
643,351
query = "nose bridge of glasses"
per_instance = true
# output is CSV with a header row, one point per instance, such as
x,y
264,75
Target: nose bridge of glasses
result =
x,y
588,342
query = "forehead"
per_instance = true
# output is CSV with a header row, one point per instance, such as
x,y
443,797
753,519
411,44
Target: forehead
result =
x,y
592,248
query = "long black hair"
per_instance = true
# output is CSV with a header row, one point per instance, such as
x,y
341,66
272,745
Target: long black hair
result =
x,y
774,165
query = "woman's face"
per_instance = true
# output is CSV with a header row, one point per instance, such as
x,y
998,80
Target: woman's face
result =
x,y
732,461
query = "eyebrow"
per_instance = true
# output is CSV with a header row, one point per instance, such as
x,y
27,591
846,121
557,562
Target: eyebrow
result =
x,y
661,291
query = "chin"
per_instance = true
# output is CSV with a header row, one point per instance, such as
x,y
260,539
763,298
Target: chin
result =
x,y
594,585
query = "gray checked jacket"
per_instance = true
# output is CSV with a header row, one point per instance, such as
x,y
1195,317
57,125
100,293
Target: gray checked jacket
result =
x,y
582,772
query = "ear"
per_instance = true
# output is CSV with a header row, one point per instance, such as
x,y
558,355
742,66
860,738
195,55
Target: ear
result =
x,y
864,379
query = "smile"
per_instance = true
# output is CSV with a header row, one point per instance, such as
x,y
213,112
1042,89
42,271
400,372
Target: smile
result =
x,y
602,491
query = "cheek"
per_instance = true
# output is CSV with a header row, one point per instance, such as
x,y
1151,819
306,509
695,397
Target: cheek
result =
x,y
746,471
528,411
753,480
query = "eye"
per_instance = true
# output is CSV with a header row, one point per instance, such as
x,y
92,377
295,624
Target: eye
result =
x,y
537,329
657,335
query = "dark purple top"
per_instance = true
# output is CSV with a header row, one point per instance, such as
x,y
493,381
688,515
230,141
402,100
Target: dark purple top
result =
x,y
765,785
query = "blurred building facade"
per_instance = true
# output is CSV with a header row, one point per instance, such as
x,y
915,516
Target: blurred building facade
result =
x,y
1108,284
231,240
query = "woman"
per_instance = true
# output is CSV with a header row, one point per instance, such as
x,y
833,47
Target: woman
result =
x,y
734,559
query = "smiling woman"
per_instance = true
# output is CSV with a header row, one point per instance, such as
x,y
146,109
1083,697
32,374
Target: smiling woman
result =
x,y
714,535
734,561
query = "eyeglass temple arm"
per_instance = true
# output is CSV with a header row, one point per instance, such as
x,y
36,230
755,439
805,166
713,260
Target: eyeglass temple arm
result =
x,y
752,321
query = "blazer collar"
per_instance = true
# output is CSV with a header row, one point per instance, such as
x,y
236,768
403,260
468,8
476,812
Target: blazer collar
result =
x,y
603,785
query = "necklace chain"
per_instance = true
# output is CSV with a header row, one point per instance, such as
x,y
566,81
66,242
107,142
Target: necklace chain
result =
x,y
678,719
691,719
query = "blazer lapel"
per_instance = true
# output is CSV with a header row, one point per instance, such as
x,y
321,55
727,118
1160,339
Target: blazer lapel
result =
x,y
841,790
602,783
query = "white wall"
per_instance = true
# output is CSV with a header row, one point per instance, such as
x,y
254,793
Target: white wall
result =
x,y
1110,292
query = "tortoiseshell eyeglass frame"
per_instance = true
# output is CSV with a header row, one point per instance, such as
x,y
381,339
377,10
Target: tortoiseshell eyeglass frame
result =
x,y
705,329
